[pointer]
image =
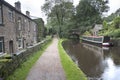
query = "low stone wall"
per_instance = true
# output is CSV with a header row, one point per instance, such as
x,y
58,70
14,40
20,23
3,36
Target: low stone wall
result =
x,y
8,68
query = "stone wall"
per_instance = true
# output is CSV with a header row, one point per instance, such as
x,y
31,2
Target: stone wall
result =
x,y
8,68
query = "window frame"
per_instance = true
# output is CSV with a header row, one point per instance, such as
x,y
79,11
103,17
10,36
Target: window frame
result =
x,y
19,23
20,43
10,15
29,24
3,49
1,9
34,27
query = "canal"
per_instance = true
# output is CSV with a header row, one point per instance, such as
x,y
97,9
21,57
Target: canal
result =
x,y
98,63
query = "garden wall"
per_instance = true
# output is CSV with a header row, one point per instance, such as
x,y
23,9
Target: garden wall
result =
x,y
9,67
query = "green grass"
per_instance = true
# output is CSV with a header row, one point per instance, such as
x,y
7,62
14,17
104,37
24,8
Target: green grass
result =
x,y
71,69
22,72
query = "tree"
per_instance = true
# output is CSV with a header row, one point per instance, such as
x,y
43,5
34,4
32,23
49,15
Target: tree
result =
x,y
89,12
117,22
105,25
59,13
40,29
112,16
100,5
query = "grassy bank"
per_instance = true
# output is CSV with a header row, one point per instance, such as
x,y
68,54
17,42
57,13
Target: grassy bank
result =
x,y
71,70
22,72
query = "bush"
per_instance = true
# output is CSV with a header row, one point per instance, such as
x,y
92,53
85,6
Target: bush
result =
x,y
117,22
114,34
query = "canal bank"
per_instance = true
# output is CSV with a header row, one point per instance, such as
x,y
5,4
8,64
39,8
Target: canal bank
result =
x,y
71,69
98,63
116,42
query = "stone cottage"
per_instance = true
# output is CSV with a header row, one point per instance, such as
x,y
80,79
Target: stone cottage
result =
x,y
17,30
96,29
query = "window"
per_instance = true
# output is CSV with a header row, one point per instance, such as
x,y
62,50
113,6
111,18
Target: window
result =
x,y
19,24
29,26
34,27
20,44
24,24
1,45
10,14
1,21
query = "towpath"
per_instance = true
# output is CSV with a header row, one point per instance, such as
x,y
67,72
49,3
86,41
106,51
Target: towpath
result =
x,y
48,67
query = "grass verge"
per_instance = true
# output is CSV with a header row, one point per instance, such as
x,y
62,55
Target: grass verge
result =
x,y
22,72
71,70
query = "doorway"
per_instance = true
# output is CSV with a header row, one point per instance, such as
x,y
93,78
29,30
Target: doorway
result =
x,y
11,47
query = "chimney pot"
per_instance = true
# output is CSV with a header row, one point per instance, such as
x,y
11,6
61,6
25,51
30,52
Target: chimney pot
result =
x,y
28,13
18,5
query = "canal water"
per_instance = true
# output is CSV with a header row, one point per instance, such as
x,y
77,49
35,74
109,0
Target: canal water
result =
x,y
98,63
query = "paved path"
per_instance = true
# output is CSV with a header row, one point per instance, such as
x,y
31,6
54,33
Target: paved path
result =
x,y
48,67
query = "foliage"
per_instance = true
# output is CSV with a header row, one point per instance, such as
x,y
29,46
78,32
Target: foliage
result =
x,y
62,16
112,16
89,13
117,22
111,29
71,69
115,33
105,25
87,33
100,5
59,13
41,29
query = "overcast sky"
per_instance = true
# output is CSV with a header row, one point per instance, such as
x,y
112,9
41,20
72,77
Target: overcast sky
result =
x,y
34,6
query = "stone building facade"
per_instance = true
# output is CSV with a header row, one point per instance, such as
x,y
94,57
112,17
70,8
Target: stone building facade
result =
x,y
17,30
96,29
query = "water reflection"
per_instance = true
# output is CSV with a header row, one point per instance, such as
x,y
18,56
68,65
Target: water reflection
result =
x,y
112,71
96,62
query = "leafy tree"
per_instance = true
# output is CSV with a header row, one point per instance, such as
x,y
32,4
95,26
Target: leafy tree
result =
x,y
100,5
59,13
62,16
117,22
105,25
112,16
41,29
89,12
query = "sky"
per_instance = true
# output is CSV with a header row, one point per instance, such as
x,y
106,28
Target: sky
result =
x,y
34,6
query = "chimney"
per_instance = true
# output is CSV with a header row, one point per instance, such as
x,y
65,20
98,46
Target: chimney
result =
x,y
28,13
18,5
